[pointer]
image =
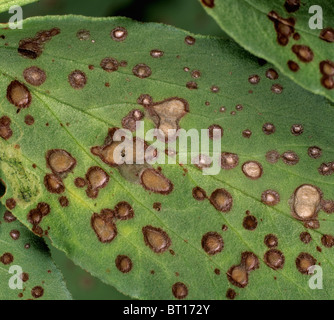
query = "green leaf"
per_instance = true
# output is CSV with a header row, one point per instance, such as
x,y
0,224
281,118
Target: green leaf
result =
x,y
77,121
6,4
25,256
299,52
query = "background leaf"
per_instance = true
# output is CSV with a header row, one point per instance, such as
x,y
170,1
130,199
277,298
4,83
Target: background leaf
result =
x,y
6,4
41,279
295,49
75,120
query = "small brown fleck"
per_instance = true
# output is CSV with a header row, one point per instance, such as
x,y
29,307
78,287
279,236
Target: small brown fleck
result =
x,y
208,3
79,182
37,292
192,85
123,263
15,234
10,203
271,74
290,158
215,132
7,258
64,202
271,241
270,197
268,128
231,294
254,79
277,88
29,120
77,79
199,194
293,66
305,237
156,53
297,129
250,223
157,206
314,152
327,240
179,290
247,133
189,40
292,5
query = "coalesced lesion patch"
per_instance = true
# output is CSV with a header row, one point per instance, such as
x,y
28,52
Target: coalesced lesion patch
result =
x,y
104,226
167,114
238,274
35,217
5,129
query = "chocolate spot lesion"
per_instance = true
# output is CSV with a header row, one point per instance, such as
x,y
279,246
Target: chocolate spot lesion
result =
x,y
5,129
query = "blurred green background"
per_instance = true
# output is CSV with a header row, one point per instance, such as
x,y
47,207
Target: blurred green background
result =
x,y
185,14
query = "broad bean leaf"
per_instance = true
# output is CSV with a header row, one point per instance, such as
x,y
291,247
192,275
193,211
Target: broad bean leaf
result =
x,y
165,231
286,34
26,259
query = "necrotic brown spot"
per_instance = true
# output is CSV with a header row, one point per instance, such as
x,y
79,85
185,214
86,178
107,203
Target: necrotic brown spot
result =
x,y
156,238
83,34
252,170
77,79
238,276
327,34
37,292
297,129
123,263
304,261
34,75
271,74
274,259
271,241
303,53
29,120
157,206
10,203
79,182
327,240
196,74
53,183
60,161
156,53
276,88
229,160
24,276
290,158
254,79
103,226
305,237
222,200
5,130
15,234
231,294
268,128
215,132
8,217
247,133
97,179
314,152
293,66
155,181
212,243
63,201
270,197
208,3
292,5
189,40
249,223
326,169
327,206
7,258
199,194
124,211
119,34
192,85
142,71
18,95
109,64
179,290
